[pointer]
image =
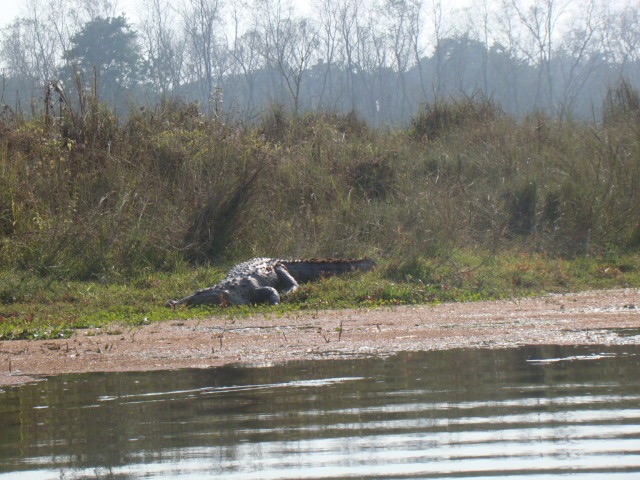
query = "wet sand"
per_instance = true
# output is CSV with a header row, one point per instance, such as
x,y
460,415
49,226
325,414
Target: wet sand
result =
x,y
588,318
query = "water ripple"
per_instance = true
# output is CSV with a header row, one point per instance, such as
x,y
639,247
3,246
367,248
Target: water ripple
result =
x,y
515,414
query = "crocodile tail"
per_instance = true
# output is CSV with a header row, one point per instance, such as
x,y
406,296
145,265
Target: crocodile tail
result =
x,y
306,270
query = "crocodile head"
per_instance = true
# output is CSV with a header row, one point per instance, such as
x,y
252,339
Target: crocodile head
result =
x,y
214,296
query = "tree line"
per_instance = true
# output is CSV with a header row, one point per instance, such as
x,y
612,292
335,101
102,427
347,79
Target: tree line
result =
x,y
379,58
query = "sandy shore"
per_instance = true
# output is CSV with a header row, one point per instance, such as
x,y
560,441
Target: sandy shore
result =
x,y
596,317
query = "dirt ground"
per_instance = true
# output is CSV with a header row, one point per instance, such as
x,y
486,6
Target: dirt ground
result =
x,y
596,317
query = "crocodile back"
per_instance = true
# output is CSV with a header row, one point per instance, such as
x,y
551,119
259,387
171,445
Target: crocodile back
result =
x,y
310,269
249,267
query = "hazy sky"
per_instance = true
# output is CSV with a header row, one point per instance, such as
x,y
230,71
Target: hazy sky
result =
x,y
10,9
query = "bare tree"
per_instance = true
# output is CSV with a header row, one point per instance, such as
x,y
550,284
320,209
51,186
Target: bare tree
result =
x,y
31,47
90,9
290,45
203,26
441,30
580,53
621,37
246,49
28,51
350,36
403,20
163,44
328,15
374,64
539,21
479,25
369,56
64,20
507,58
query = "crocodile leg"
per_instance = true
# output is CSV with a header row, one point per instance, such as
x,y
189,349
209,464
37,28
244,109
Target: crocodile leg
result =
x,y
266,294
289,283
270,294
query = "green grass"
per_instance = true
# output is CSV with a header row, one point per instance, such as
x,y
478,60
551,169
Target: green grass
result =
x,y
35,307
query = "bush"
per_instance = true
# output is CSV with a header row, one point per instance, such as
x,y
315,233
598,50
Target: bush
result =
x,y
440,117
621,104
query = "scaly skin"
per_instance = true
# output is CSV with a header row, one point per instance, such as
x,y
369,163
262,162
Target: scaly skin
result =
x,y
263,280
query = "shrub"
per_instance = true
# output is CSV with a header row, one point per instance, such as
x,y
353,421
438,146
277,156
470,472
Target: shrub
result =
x,y
439,117
621,104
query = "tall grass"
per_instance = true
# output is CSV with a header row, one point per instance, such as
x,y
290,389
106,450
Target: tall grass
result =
x,y
84,194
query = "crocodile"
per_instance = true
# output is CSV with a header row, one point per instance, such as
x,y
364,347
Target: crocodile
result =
x,y
268,280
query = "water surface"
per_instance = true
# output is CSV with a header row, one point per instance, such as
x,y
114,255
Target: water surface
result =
x,y
536,412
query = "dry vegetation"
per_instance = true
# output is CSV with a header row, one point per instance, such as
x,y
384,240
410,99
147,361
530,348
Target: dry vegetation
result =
x,y
86,196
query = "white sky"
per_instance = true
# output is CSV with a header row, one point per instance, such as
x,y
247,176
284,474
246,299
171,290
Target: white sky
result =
x,y
10,9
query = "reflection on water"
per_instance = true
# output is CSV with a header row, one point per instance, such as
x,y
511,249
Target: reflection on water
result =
x,y
535,412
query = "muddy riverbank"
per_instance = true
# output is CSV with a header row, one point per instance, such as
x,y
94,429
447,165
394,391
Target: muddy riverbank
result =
x,y
596,317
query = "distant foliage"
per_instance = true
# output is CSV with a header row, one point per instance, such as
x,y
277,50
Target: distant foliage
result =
x,y
104,54
381,59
